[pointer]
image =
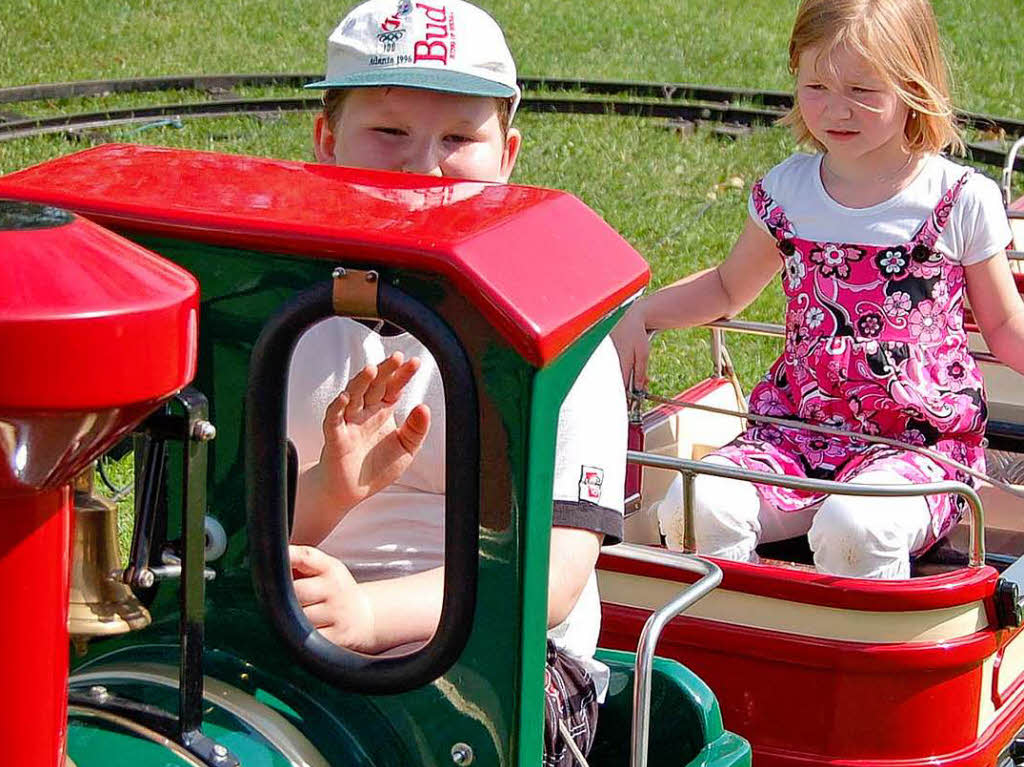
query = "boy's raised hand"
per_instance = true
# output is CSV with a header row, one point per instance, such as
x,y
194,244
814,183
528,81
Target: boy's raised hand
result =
x,y
364,449
331,599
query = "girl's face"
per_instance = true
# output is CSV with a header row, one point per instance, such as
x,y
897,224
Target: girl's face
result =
x,y
849,108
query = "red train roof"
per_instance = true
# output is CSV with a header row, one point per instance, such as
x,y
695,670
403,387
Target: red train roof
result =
x,y
539,264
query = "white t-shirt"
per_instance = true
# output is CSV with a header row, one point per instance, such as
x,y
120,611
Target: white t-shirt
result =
x,y
411,510
977,226
400,530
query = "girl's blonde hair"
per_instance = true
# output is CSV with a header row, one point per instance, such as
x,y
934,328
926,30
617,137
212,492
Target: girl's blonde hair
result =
x,y
901,38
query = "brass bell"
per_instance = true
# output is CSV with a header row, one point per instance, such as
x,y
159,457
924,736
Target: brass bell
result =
x,y
101,603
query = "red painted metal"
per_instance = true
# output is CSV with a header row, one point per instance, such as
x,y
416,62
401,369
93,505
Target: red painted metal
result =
x,y
802,700
91,321
514,251
636,434
929,593
72,291
35,539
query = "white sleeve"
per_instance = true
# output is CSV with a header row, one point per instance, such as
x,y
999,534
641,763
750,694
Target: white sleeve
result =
x,y
781,181
753,214
590,450
982,220
325,358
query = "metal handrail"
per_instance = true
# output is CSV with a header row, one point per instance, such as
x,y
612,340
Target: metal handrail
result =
x,y
689,469
778,331
747,326
1011,156
711,576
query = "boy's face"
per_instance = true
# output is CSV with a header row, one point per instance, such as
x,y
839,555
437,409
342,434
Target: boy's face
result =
x,y
419,131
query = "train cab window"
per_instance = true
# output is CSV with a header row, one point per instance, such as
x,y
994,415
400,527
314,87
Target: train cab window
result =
x,y
369,495
306,354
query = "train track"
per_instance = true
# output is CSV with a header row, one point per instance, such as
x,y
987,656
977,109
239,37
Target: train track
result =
x,y
726,110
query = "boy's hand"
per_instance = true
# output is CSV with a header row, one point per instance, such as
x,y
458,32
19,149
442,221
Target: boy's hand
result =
x,y
634,347
364,449
331,599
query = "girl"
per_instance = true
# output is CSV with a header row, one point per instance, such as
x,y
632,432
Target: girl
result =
x,y
878,238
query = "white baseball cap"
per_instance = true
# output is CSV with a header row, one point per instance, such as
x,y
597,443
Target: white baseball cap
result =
x,y
437,45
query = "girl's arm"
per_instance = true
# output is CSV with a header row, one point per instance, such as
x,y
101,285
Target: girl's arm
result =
x,y
699,298
997,308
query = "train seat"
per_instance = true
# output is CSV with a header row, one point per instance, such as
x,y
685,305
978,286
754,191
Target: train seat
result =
x,y
685,722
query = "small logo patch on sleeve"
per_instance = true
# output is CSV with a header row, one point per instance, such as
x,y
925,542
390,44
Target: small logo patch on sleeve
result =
x,y
591,480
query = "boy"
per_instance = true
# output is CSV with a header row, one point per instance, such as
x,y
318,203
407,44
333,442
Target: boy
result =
x,y
431,89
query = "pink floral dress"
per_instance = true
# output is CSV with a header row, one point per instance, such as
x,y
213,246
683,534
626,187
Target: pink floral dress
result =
x,y
875,344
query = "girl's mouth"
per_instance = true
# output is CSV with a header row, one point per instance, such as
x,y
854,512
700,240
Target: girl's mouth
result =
x,y
841,135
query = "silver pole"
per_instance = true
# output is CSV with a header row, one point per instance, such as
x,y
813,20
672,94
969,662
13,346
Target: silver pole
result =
x,y
711,576
772,329
976,542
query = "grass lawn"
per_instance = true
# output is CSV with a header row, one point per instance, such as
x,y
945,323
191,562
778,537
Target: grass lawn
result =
x,y
680,200
668,195
729,42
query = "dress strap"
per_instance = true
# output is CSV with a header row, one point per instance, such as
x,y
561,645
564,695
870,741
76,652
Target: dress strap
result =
x,y
933,226
771,213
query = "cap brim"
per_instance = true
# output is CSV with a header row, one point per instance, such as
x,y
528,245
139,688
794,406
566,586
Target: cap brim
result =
x,y
422,78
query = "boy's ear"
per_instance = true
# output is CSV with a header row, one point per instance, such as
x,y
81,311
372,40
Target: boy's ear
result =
x,y
513,142
323,140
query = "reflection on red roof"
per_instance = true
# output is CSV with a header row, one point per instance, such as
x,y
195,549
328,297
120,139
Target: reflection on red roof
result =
x,y
539,264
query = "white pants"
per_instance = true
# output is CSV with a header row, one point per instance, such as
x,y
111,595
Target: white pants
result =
x,y
850,536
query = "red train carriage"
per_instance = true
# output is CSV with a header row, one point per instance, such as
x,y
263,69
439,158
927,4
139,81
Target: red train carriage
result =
x,y
816,669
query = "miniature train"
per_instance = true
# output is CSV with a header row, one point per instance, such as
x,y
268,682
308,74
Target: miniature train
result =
x,y
228,671
810,669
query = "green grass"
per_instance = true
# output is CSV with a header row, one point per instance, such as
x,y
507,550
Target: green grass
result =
x,y
667,194
730,42
121,474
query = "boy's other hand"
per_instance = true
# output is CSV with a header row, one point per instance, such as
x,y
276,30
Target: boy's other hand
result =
x,y
364,449
331,599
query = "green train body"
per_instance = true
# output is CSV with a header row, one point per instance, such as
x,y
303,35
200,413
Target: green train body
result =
x,y
527,282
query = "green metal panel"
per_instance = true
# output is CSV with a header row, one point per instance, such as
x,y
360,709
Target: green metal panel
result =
x,y
251,729
100,744
476,702
481,700
686,721
551,385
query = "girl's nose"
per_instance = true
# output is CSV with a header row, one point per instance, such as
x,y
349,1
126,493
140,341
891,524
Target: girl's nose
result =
x,y
840,106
